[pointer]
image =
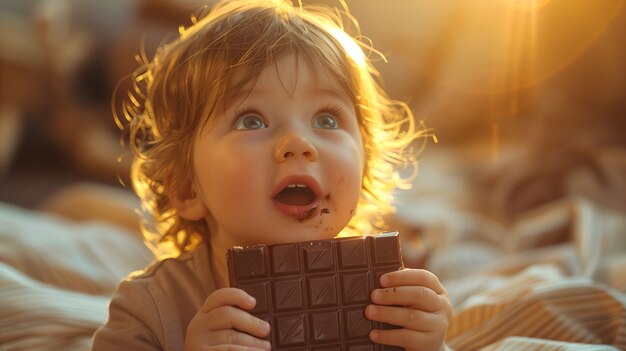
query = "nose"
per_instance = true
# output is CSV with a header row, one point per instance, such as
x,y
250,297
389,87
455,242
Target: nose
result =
x,y
294,145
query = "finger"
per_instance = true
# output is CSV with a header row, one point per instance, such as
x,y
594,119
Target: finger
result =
x,y
418,297
229,317
405,317
228,296
236,338
408,339
407,277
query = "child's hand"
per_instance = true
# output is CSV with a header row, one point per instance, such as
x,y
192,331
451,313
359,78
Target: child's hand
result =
x,y
424,310
222,324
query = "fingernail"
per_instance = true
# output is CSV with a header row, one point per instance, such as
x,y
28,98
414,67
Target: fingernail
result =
x,y
376,296
251,300
265,327
374,335
384,280
372,311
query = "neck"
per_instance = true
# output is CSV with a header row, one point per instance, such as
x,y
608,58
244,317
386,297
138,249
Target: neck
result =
x,y
219,244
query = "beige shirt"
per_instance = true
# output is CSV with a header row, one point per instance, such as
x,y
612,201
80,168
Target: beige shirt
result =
x,y
151,311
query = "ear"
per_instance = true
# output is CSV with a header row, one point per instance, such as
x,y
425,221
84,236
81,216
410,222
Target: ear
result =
x,y
186,201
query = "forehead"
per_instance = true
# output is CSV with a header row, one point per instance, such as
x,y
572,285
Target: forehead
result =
x,y
290,73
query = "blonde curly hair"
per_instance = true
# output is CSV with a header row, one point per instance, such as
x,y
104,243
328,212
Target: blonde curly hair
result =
x,y
195,77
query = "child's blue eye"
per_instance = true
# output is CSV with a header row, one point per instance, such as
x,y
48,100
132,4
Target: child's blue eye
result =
x,y
324,121
248,122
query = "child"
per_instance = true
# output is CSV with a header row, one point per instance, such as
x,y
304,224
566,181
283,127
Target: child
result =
x,y
262,123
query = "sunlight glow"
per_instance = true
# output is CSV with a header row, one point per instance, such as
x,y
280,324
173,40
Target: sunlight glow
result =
x,y
533,5
352,48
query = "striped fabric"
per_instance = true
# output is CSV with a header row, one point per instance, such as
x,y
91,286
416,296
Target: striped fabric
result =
x,y
56,278
554,280
541,307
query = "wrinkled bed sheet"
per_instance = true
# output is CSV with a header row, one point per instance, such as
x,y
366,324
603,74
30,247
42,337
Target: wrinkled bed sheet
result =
x,y
554,279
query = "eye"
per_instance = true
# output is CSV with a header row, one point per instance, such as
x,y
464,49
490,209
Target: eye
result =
x,y
249,122
324,121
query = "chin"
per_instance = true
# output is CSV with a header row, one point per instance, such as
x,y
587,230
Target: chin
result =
x,y
316,235
297,235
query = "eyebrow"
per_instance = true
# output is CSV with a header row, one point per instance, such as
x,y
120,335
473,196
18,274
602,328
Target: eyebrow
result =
x,y
333,92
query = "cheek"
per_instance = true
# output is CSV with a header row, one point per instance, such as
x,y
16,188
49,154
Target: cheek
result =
x,y
348,177
231,183
352,186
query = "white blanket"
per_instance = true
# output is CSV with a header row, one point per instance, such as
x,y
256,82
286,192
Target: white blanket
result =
x,y
56,278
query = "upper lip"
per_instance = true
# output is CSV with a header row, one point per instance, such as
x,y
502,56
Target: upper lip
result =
x,y
298,179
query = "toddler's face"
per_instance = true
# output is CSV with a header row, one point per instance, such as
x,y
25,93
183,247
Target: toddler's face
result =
x,y
285,162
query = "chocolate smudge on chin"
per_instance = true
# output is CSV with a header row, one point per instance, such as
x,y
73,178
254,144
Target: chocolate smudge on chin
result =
x,y
324,211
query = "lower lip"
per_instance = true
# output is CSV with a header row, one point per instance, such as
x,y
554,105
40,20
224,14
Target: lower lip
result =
x,y
300,213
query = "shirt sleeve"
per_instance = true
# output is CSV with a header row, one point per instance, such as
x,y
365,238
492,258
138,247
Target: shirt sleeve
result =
x,y
134,321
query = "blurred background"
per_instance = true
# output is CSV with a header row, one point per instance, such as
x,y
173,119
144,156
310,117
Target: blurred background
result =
x,y
522,95
520,190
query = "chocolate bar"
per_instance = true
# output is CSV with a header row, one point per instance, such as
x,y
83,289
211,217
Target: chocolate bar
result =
x,y
314,293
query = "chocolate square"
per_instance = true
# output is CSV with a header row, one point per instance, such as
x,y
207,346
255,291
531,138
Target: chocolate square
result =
x,y
318,256
355,288
250,263
321,291
352,253
325,326
290,330
287,294
284,259
356,324
314,293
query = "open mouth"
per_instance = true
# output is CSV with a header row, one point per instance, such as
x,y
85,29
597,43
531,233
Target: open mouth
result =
x,y
296,195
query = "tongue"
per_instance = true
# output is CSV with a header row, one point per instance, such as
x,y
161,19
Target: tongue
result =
x,y
295,196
